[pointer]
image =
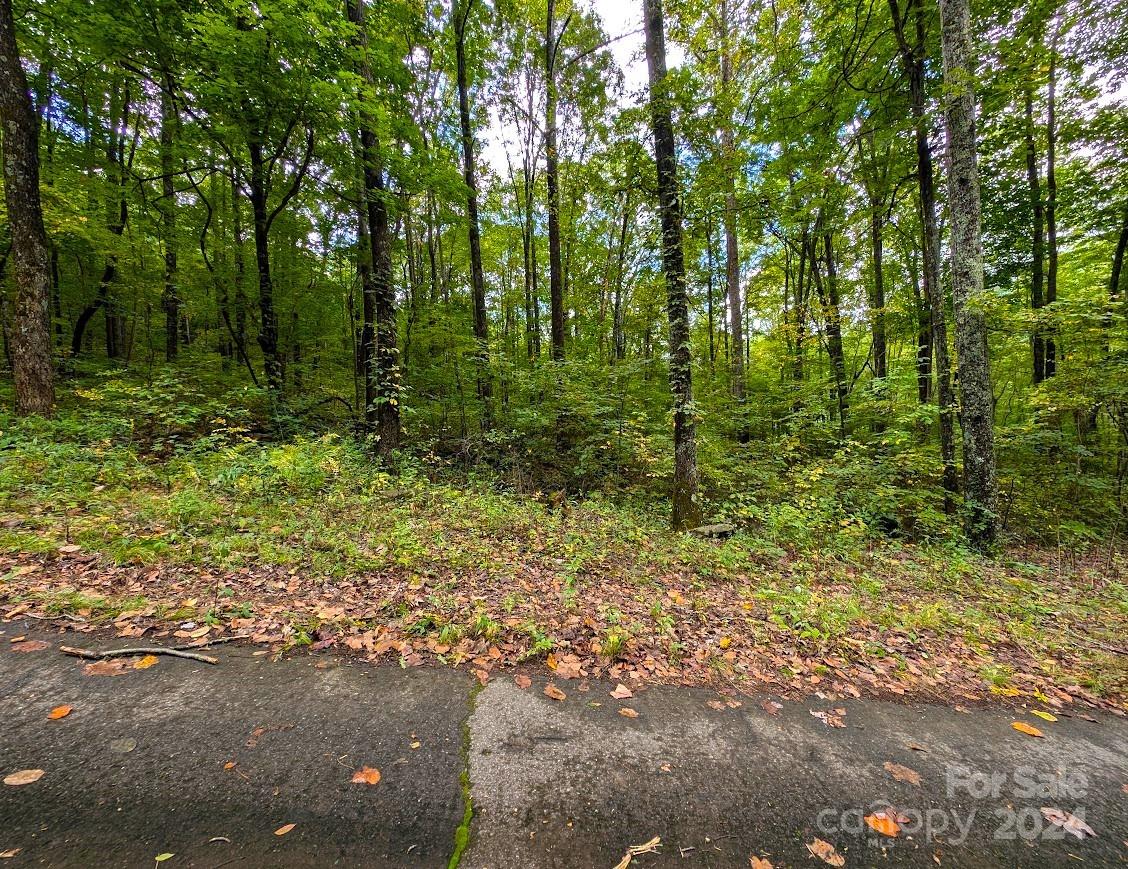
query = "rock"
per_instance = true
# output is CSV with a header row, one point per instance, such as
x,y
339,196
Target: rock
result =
x,y
720,531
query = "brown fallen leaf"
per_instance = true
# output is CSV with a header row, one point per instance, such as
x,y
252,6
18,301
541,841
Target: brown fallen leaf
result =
x,y
1028,729
831,718
622,692
715,704
146,662
11,852
826,852
1068,822
60,712
555,693
627,712
914,746
70,548
111,667
771,707
760,862
366,776
522,681
483,676
23,777
883,823
284,829
29,646
902,773
230,764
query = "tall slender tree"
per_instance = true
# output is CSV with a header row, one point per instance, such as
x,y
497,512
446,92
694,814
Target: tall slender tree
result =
x,y
686,510
980,476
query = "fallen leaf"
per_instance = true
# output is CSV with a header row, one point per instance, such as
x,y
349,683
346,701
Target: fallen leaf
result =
x,y
70,549
771,707
555,693
882,823
160,858
199,632
145,663
627,712
30,646
366,776
23,777
18,639
109,667
283,830
715,704
1045,716
1068,822
60,712
831,718
11,852
902,773
760,863
483,676
914,746
826,852
522,681
1028,729
622,692
230,764
124,745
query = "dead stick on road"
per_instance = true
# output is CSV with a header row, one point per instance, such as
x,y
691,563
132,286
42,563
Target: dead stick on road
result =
x,y
147,650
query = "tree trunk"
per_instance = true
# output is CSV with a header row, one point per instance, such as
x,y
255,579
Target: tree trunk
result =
x,y
618,338
1037,298
555,269
170,299
980,483
834,332
477,275
382,372
732,247
268,319
686,511
912,59
1051,201
30,340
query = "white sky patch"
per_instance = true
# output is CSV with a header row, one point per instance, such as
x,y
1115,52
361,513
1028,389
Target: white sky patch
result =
x,y
622,22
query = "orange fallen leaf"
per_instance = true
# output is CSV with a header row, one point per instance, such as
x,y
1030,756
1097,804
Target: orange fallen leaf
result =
x,y
1028,729
283,830
483,676
522,681
882,823
366,776
60,712
759,862
555,693
622,692
229,765
23,777
145,663
30,646
826,852
902,773
627,712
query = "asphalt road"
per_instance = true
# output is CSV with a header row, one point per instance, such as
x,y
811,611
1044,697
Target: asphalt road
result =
x,y
207,762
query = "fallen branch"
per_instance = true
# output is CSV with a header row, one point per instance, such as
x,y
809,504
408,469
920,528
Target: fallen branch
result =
x,y
146,650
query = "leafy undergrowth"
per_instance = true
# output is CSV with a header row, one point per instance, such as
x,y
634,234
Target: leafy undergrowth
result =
x,y
194,527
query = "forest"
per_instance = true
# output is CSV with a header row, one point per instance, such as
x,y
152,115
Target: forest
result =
x,y
530,287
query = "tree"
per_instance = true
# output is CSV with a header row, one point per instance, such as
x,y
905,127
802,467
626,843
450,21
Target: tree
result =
x,y
686,511
980,475
30,340
477,275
